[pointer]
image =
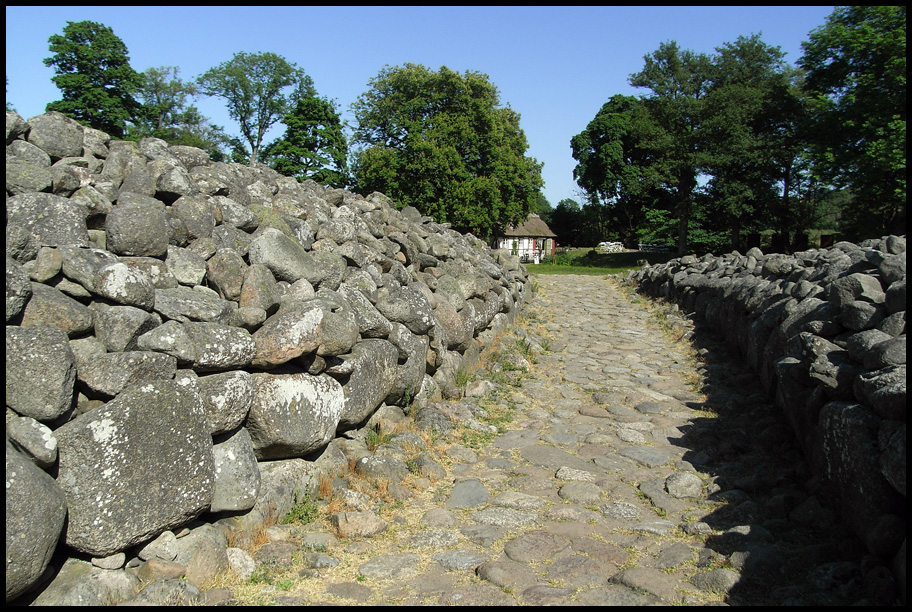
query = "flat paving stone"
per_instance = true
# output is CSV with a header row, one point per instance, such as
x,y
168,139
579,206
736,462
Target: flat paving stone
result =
x,y
459,559
391,566
647,455
468,494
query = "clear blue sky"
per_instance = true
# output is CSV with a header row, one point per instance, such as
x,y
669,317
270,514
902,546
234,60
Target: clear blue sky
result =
x,y
556,66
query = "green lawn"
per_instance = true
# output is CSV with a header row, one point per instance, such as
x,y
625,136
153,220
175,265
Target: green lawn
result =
x,y
584,261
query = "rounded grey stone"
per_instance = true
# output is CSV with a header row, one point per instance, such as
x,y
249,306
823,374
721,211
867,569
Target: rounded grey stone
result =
x,y
684,484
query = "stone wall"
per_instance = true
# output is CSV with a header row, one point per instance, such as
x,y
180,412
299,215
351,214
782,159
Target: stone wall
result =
x,y
826,331
186,339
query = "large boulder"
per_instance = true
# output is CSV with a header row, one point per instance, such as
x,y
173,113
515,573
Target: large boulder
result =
x,y
289,334
56,134
138,228
293,414
135,467
40,372
370,370
50,219
35,511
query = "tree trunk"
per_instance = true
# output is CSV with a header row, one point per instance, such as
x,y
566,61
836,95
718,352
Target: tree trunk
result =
x,y
684,215
784,217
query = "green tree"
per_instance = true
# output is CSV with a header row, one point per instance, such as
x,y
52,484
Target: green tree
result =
x,y
92,70
747,135
252,84
167,113
567,222
9,106
441,142
618,170
543,208
678,80
856,73
164,98
314,145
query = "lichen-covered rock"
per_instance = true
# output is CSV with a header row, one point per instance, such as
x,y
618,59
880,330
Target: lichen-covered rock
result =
x,y
196,214
35,512
237,478
370,370
185,304
34,439
285,258
50,219
81,265
227,397
154,258
126,284
225,273
220,347
22,176
40,372
138,228
56,134
135,467
259,289
817,325
111,373
288,335
409,307
18,288
293,414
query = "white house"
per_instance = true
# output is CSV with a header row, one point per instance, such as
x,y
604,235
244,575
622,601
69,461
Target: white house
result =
x,y
531,240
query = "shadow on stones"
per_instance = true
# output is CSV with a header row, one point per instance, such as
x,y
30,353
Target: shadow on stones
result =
x,y
774,523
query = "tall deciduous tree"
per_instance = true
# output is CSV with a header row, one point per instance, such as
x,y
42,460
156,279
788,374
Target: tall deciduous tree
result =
x,y
619,171
314,145
253,85
567,222
749,113
678,80
167,113
856,71
441,142
543,208
164,97
92,70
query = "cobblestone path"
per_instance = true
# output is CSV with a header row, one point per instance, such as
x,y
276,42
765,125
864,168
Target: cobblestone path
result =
x,y
630,466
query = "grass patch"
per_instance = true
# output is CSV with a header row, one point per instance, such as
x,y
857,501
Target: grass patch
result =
x,y
589,262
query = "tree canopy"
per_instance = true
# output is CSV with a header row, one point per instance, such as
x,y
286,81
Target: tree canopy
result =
x,y
440,141
253,86
740,141
314,145
677,81
616,166
856,75
92,70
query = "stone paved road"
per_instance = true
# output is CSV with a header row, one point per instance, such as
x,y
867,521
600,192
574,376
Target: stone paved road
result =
x,y
631,474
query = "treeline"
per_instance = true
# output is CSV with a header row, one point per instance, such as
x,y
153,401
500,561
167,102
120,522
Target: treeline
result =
x,y
738,142
436,140
717,147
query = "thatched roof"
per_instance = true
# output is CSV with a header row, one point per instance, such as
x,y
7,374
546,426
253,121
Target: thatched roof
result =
x,y
533,227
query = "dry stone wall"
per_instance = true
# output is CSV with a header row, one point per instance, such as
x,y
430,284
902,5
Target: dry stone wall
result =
x,y
187,338
826,331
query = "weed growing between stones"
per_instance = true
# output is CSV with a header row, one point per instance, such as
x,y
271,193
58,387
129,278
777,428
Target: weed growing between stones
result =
x,y
304,510
375,437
